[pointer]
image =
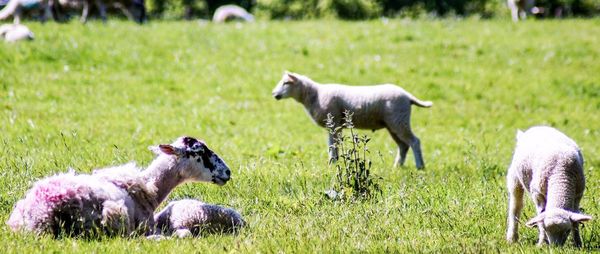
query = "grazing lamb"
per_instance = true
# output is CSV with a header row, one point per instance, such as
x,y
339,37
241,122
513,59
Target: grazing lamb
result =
x,y
15,32
231,12
374,107
548,165
190,217
115,201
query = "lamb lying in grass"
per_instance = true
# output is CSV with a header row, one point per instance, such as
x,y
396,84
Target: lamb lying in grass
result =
x,y
231,12
115,201
15,32
190,217
548,165
374,107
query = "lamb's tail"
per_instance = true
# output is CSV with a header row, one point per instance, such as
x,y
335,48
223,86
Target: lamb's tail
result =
x,y
9,9
424,104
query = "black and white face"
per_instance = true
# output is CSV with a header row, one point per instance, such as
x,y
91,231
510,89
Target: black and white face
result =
x,y
285,86
198,162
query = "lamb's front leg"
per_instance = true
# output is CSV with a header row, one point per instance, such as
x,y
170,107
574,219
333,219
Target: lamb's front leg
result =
x,y
576,236
332,147
540,204
515,205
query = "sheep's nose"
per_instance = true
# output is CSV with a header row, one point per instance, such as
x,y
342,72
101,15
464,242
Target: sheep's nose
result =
x,y
228,172
277,96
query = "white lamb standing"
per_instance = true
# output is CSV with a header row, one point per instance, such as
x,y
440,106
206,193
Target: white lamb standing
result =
x,y
548,165
115,201
375,107
15,32
189,217
231,12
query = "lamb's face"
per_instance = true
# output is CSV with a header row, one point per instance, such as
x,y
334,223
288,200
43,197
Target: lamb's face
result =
x,y
285,86
558,223
198,162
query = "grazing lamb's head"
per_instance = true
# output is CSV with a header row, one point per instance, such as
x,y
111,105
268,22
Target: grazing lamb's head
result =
x,y
287,86
558,223
196,161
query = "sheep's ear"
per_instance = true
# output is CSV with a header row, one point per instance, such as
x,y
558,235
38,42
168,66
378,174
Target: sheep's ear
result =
x,y
537,219
168,149
292,76
519,134
578,217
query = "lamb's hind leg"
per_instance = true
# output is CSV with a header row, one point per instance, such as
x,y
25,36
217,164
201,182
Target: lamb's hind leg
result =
x,y
407,137
402,150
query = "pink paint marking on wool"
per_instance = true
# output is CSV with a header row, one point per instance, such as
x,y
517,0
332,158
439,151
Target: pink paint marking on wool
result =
x,y
16,220
44,197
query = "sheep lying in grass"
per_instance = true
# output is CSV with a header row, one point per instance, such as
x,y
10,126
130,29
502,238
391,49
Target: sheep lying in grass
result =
x,y
15,32
115,201
374,107
231,12
548,165
190,217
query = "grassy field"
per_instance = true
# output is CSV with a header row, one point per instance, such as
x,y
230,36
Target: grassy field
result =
x,y
86,96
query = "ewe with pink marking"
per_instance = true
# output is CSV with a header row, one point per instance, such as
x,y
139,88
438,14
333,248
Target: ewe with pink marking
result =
x,y
115,201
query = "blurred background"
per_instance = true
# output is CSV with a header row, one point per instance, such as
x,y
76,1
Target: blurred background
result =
x,y
344,9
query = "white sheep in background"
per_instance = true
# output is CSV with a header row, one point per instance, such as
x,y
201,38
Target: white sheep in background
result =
x,y
115,201
548,165
188,217
15,32
374,107
519,8
231,12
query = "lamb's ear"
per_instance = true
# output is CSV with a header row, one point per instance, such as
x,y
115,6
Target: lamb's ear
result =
x,y
292,76
537,219
519,134
578,217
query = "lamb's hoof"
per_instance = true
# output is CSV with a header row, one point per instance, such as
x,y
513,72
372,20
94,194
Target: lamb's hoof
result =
x,y
512,239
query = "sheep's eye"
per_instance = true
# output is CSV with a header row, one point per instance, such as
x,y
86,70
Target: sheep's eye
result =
x,y
288,83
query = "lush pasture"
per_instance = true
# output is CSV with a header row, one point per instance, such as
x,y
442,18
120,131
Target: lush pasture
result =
x,y
89,96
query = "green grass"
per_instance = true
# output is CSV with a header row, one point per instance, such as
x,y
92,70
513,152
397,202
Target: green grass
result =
x,y
86,96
